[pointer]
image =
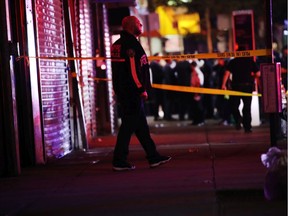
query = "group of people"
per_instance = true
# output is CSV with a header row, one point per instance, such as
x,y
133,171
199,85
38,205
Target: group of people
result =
x,y
131,84
237,74
192,106
182,73
198,106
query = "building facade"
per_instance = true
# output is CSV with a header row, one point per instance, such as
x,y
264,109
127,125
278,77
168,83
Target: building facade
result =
x,y
54,90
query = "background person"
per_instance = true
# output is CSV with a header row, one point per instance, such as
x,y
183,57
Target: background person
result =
x,y
222,101
183,79
169,96
196,110
157,78
244,72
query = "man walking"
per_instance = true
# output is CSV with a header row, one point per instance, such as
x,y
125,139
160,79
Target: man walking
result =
x,y
130,81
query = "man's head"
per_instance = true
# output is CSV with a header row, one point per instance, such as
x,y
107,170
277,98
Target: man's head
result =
x,y
132,25
241,47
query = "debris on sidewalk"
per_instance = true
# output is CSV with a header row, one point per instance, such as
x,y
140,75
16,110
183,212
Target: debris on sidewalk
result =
x,y
275,186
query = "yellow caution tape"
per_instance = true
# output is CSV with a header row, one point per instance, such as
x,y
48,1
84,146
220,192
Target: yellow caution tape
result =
x,y
69,58
74,74
100,79
201,90
246,53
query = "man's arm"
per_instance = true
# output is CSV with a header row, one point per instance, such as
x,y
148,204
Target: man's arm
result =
x,y
133,70
225,78
257,80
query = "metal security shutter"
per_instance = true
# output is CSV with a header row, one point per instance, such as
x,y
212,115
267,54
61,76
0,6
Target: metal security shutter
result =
x,y
87,70
53,77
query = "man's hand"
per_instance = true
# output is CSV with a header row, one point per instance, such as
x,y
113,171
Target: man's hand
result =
x,y
144,95
223,87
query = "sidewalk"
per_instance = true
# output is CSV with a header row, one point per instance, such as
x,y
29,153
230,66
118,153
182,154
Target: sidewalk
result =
x,y
215,171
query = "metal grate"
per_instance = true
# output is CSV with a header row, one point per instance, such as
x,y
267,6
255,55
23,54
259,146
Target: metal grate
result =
x,y
86,67
53,78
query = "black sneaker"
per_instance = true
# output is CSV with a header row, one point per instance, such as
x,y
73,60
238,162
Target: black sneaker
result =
x,y
248,131
238,126
159,160
123,167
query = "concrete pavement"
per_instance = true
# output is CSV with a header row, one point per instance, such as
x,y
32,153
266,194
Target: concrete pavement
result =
x,y
215,171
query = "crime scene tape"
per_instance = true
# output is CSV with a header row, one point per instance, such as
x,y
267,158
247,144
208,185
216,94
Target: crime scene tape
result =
x,y
246,53
68,58
201,90
190,89
97,79
100,79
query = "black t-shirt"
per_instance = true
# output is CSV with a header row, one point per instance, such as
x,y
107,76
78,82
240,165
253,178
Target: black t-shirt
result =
x,y
241,69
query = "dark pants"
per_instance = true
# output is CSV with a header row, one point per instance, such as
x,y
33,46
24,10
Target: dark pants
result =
x,y
196,109
133,121
183,105
224,108
246,111
168,104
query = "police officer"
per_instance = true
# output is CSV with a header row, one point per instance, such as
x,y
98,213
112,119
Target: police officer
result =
x,y
130,81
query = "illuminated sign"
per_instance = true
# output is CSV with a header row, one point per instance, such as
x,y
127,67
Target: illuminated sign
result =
x,y
243,29
172,23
